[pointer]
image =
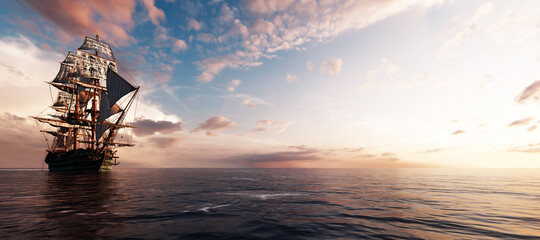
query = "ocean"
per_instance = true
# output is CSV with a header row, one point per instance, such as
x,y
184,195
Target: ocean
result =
x,y
271,204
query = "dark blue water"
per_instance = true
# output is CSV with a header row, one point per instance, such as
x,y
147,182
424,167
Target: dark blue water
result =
x,y
272,203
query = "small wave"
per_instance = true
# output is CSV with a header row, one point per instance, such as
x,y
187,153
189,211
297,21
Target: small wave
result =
x,y
274,195
67,211
207,207
91,214
265,196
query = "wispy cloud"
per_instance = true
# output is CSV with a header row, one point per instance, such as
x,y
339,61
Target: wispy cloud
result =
x,y
458,132
164,142
194,25
310,66
233,85
530,93
471,27
290,78
530,148
435,150
267,124
521,122
331,66
288,25
155,14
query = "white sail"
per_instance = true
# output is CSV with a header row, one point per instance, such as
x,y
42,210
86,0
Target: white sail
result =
x,y
63,73
95,45
88,65
64,99
70,58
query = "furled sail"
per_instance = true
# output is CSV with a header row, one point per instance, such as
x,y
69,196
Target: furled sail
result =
x,y
117,87
60,123
100,47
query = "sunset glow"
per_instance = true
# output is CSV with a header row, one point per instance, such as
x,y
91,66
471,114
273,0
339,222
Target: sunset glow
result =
x,y
310,84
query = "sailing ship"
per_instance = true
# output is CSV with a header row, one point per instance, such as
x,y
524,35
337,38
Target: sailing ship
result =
x,y
90,109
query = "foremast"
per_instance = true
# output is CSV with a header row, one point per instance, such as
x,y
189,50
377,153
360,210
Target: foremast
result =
x,y
91,104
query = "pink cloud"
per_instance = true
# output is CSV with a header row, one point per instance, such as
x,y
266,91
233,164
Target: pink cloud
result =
x,y
530,93
179,45
521,122
155,14
146,127
111,20
457,132
331,66
20,143
194,24
287,25
233,85
214,124
268,6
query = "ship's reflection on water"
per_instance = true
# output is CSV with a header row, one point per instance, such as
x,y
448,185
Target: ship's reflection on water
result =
x,y
79,205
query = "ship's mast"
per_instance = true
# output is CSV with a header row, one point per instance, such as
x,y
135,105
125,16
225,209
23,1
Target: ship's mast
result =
x,y
79,81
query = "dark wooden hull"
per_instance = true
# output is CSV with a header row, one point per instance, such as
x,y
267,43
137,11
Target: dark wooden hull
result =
x,y
80,160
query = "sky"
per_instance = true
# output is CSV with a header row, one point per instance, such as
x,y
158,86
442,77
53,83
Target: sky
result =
x,y
308,84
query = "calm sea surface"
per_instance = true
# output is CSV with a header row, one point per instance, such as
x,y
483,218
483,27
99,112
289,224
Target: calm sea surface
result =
x,y
272,203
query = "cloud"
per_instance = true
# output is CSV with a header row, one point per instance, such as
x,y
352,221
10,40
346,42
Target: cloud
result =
x,y
260,29
457,132
267,124
194,24
206,37
179,45
155,14
385,70
270,122
259,159
388,154
233,85
164,142
331,66
531,128
290,78
226,15
471,28
310,66
146,127
267,6
530,148
213,124
205,77
248,100
434,150
359,149
112,20
521,122
20,143
238,60
23,68
530,93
